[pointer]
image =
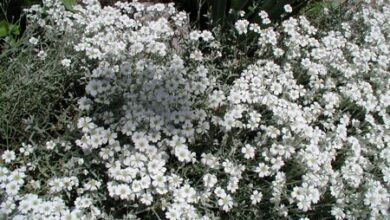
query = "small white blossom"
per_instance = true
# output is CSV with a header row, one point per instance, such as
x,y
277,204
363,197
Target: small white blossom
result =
x,y
248,151
66,62
287,8
33,41
225,201
8,156
242,26
256,197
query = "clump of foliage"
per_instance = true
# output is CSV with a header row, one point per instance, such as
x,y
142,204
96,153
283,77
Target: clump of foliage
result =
x,y
36,91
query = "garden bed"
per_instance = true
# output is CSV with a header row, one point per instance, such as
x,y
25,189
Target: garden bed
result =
x,y
132,112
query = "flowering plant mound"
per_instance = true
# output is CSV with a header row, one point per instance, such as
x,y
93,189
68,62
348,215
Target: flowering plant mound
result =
x,y
302,132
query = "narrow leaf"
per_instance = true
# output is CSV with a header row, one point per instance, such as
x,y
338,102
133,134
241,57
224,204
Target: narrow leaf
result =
x,y
68,4
3,28
14,29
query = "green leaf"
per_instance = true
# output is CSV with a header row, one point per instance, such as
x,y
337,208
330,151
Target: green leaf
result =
x,y
68,4
14,29
12,41
3,28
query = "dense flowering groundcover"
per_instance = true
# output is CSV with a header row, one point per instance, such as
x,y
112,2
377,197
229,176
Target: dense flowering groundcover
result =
x,y
302,132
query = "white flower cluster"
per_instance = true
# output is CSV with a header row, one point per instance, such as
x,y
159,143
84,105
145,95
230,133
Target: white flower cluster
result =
x,y
19,204
305,126
149,92
325,107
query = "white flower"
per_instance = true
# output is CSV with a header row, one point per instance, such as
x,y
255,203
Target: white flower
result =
x,y
175,181
147,199
183,154
7,206
141,144
266,21
66,62
305,196
338,213
136,48
56,185
83,202
70,215
17,176
209,180
84,103
248,151
242,26
263,170
287,8
42,55
159,181
263,14
8,156
195,35
233,184
225,201
33,41
186,194
174,212
218,191
196,55
25,206
207,36
123,191
50,145
377,197
94,87
256,197
86,124
216,99
12,188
